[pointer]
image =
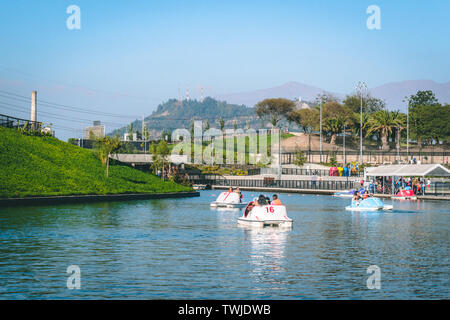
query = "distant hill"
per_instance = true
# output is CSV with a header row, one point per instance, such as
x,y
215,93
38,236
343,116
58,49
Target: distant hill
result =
x,y
290,90
175,114
393,93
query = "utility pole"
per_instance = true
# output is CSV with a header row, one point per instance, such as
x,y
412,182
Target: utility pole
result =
x,y
407,132
321,104
344,149
143,134
359,87
407,128
279,155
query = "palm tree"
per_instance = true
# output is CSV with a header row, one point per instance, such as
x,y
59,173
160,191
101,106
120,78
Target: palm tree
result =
x,y
400,118
384,122
221,124
365,123
333,126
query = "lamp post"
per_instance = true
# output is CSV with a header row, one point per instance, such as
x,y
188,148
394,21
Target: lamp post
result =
x,y
321,104
343,164
279,156
407,128
360,86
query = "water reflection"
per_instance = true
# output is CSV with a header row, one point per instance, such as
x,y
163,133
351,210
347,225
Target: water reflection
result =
x,y
266,256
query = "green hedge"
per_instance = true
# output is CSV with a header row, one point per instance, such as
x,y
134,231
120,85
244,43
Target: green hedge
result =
x,y
43,166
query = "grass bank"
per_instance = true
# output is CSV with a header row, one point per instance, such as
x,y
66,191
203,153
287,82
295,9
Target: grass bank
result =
x,y
45,166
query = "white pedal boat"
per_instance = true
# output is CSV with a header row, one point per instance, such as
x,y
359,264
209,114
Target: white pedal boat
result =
x,y
369,204
228,200
348,193
265,216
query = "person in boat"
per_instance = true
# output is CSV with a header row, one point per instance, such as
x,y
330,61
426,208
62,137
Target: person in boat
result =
x,y
230,189
240,194
261,200
276,201
356,197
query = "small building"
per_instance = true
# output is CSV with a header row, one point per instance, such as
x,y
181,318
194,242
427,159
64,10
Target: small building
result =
x,y
126,137
96,131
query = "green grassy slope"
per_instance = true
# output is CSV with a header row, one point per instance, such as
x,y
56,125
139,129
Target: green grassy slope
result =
x,y
42,166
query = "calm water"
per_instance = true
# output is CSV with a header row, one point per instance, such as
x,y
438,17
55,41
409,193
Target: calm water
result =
x,y
182,249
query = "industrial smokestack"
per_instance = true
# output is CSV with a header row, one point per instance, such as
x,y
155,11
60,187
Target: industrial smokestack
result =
x,y
33,117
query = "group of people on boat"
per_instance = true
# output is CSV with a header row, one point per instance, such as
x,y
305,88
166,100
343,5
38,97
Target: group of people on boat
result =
x,y
357,196
263,200
230,189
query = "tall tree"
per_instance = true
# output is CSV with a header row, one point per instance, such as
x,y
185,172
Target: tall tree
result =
x,y
107,146
369,104
323,98
419,105
400,119
162,151
192,129
308,119
333,126
130,131
422,98
384,122
357,125
221,124
335,116
274,109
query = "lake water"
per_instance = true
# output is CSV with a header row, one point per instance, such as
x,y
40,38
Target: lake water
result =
x,y
182,249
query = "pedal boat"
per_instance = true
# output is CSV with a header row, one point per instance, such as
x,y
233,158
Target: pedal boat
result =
x,y
369,204
265,216
405,195
348,193
228,200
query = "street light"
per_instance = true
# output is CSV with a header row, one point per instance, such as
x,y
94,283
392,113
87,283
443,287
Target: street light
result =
x,y
344,162
321,104
360,86
407,128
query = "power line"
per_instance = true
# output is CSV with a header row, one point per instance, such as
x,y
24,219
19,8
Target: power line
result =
x,y
57,116
49,104
81,110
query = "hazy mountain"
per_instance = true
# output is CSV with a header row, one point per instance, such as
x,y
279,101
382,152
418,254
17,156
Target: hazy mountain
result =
x,y
393,93
291,90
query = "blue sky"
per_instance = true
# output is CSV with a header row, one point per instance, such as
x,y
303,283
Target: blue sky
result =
x,y
131,55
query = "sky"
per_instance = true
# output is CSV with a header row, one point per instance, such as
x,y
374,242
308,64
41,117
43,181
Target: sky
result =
x,y
129,56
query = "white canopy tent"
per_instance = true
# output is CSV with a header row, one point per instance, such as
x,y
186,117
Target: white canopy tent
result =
x,y
408,170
